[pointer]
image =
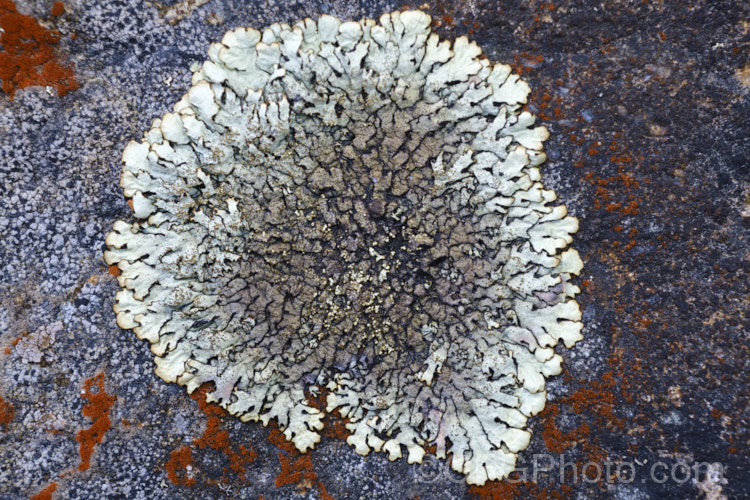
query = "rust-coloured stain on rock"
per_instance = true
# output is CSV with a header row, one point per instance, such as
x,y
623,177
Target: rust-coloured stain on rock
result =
x,y
27,57
97,409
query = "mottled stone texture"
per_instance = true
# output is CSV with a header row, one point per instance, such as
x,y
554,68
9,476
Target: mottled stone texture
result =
x,y
646,105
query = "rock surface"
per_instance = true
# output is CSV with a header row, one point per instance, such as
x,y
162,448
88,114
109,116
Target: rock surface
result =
x,y
647,108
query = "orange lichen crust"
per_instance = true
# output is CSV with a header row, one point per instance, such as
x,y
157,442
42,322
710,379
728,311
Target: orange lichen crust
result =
x,y
7,412
14,342
296,468
58,9
214,438
180,467
97,409
596,400
334,425
46,493
27,57
496,490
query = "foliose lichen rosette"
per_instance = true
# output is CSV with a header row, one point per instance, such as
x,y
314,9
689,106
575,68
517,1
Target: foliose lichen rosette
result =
x,y
353,206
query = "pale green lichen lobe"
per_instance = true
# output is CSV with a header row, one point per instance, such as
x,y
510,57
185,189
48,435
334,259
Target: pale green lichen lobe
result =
x,y
356,206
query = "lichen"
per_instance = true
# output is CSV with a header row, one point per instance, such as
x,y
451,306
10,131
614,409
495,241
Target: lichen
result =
x,y
356,206
97,408
181,460
46,493
31,347
7,414
28,57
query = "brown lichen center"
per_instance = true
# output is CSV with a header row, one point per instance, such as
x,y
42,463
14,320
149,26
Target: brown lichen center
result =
x,y
365,254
